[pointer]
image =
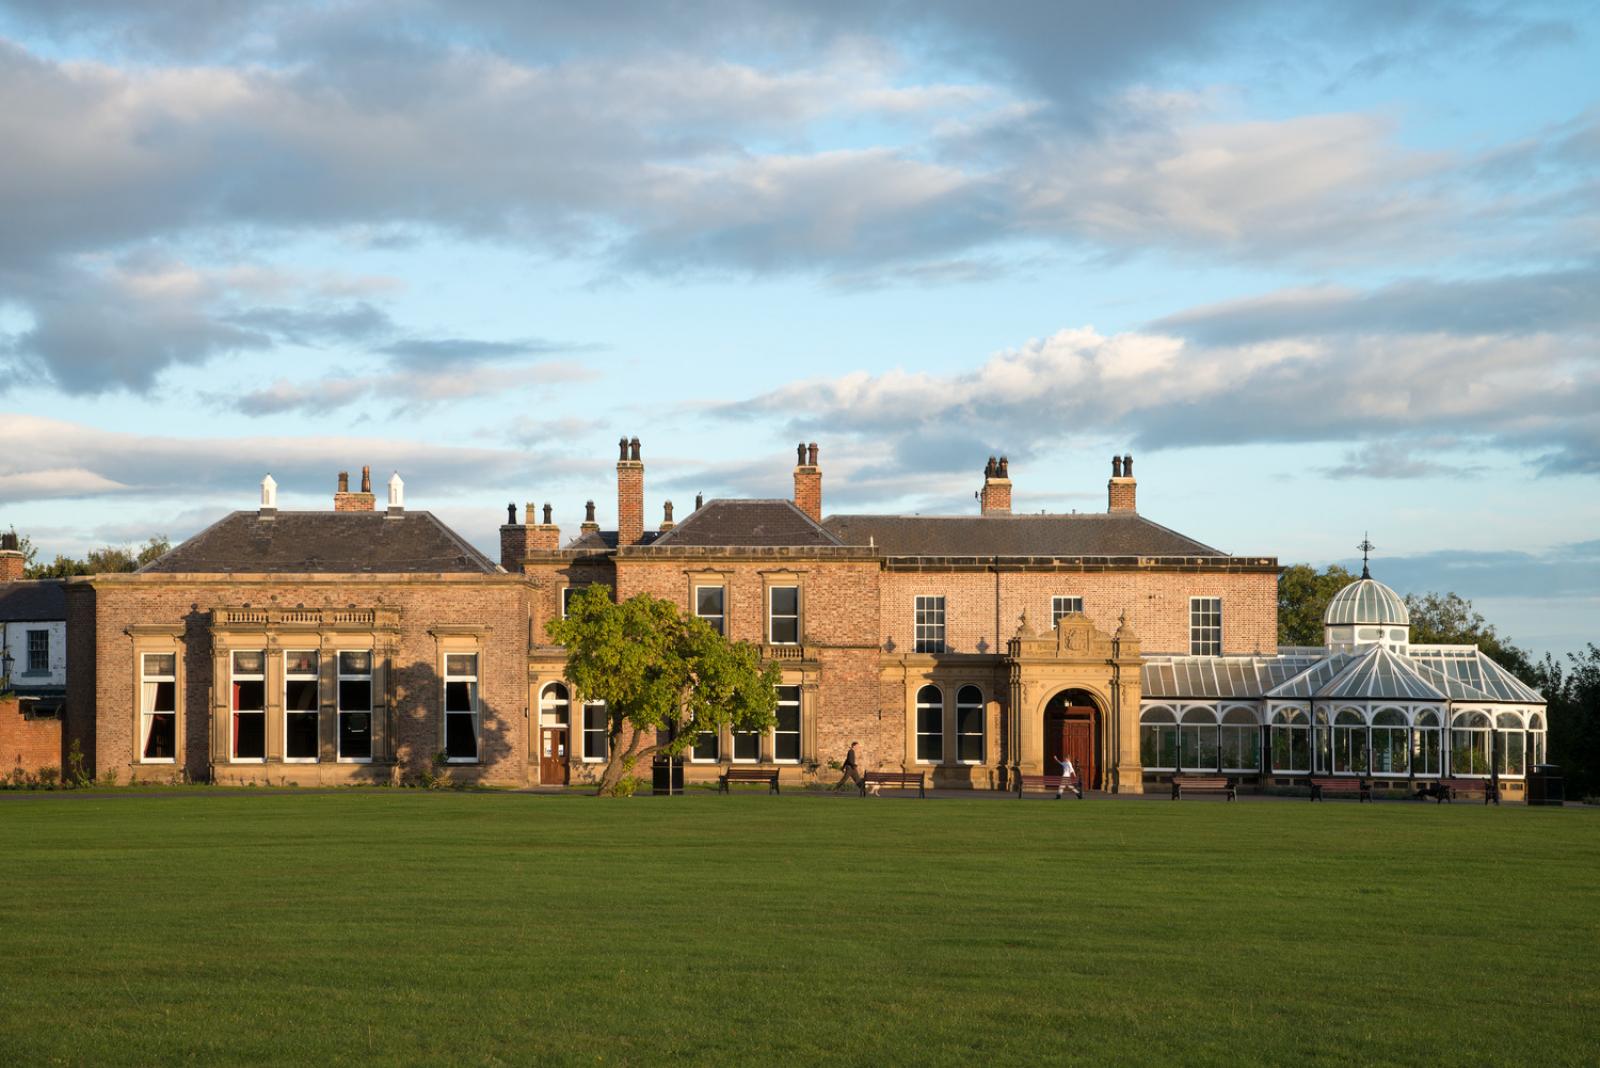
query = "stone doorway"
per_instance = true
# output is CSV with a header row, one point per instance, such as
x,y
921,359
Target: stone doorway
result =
x,y
1072,728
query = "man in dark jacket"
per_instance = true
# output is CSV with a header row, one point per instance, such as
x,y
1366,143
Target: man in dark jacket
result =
x,y
852,772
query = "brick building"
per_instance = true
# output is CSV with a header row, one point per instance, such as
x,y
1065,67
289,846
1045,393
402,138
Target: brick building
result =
x,y
354,644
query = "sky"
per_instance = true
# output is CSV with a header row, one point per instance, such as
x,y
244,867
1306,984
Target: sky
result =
x,y
1326,271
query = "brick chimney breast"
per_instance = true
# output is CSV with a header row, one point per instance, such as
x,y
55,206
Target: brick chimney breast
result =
x,y
808,482
11,561
1121,491
345,501
996,496
630,495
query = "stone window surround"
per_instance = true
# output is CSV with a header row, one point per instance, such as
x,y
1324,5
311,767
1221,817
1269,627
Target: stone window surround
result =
x,y
277,631
460,639
158,638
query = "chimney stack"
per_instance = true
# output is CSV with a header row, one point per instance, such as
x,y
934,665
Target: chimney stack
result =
x,y
630,494
513,540
590,525
269,497
666,516
808,481
345,501
547,535
1121,490
11,561
996,496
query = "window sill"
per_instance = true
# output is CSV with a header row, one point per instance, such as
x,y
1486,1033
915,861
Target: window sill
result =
x,y
302,760
353,760
459,761
248,760
159,762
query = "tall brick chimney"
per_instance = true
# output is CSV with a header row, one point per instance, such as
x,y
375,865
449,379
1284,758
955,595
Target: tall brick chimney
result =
x,y
345,501
996,496
630,494
1120,491
808,481
514,539
547,535
11,561
590,525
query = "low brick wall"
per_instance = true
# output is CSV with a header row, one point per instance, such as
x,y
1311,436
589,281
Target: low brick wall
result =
x,y
29,744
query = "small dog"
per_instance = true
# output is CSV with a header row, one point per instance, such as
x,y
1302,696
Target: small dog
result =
x,y
873,788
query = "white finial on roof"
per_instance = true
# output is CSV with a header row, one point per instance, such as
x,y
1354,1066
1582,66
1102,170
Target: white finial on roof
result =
x,y
269,492
397,491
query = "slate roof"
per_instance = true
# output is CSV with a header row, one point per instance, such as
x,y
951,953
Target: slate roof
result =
x,y
1088,534
605,539
324,543
747,524
32,601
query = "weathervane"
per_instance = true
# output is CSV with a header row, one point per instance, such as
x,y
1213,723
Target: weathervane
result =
x,y
1366,547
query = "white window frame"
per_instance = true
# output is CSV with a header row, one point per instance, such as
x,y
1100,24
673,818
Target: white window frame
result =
x,y
1288,720
935,714
721,626
773,617
43,667
549,703
1201,626
475,712
1389,733
1159,719
1193,724
1061,604
339,678
234,677
1349,732
982,733
1244,737
733,747
603,731
147,714
716,748
923,608
798,704
316,712
1464,726
1426,736
567,593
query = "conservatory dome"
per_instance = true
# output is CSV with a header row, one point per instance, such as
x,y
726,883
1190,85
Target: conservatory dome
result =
x,y
1367,602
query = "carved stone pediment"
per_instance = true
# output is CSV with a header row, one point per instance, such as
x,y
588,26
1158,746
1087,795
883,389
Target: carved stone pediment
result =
x,y
1075,639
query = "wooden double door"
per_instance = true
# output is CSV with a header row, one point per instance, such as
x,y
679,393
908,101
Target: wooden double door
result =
x,y
553,756
1073,730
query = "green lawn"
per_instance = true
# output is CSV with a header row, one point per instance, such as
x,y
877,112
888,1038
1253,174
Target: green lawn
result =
x,y
473,928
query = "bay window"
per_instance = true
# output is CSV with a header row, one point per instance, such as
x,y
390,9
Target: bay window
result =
x,y
969,725
355,706
301,741
786,731
930,725
249,730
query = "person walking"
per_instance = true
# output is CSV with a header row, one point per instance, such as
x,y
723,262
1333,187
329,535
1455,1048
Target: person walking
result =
x,y
852,769
1069,776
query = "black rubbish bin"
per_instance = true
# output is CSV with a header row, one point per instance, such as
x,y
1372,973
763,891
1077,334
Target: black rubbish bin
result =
x,y
1545,785
666,777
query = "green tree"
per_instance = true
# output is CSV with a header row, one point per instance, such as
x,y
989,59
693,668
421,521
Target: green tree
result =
x,y
1572,691
109,559
1303,596
30,551
1449,619
665,678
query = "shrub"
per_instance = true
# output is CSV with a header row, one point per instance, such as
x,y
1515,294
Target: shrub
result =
x,y
48,777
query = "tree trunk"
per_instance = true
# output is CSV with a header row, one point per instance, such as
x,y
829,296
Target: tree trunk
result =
x,y
622,762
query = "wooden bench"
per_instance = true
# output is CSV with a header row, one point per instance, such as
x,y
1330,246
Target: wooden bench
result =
x,y
905,780
752,775
1321,787
1204,784
1451,789
1050,782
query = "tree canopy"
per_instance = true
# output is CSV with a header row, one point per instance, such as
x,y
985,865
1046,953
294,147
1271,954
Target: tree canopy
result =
x,y
665,677
1303,596
108,559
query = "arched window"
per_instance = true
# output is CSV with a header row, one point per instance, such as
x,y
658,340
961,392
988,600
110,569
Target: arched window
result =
x,y
1513,744
1391,748
1536,738
1349,743
1158,739
554,705
1470,744
930,725
1425,744
1291,740
1241,740
1197,740
969,725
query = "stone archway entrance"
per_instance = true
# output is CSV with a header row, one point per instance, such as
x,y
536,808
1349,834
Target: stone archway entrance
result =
x,y
1072,727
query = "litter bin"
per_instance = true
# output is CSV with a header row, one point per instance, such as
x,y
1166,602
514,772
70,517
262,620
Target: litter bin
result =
x,y
666,776
1545,785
